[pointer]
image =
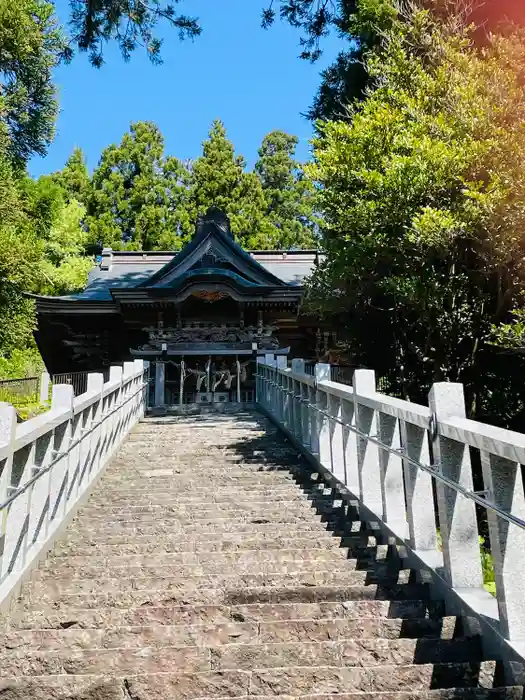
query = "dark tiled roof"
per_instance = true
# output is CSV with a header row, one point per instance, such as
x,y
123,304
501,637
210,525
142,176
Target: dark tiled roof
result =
x,y
129,269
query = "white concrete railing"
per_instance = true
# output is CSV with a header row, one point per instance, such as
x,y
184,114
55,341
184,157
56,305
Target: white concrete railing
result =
x,y
49,462
388,452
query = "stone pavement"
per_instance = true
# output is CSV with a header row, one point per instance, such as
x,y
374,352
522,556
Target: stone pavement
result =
x,y
211,562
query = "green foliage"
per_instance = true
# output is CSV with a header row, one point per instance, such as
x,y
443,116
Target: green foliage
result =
x,y
511,335
289,195
364,25
65,267
74,177
487,562
487,567
42,245
130,23
141,199
218,178
137,194
19,271
31,45
21,364
30,410
422,193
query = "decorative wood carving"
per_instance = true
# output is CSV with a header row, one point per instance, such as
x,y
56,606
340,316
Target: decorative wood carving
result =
x,y
209,296
211,334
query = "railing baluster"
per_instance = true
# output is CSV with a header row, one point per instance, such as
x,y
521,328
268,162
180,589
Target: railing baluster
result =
x,y
503,479
350,446
418,484
457,515
391,465
392,453
335,410
366,420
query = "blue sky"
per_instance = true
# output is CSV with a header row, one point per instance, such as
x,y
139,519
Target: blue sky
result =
x,y
235,71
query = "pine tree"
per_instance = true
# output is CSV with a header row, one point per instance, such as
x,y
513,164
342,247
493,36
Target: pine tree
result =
x,y
31,45
74,177
218,179
137,198
289,195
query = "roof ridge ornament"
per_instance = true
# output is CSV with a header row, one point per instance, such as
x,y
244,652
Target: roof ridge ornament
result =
x,y
216,216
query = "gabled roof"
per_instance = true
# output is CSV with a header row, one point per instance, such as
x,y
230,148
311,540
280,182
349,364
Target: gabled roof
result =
x,y
213,251
211,260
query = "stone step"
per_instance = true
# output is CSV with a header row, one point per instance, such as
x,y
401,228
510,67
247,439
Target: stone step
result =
x,y
289,510
194,494
280,522
293,593
176,578
223,479
188,487
188,483
240,560
284,684
205,569
366,652
143,544
215,634
156,476
139,572
233,505
257,525
170,613
155,658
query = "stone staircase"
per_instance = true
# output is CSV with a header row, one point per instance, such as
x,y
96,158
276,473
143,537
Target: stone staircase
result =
x,y
211,562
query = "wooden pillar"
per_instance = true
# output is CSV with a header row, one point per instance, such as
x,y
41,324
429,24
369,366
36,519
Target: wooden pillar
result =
x,y
160,378
181,387
238,364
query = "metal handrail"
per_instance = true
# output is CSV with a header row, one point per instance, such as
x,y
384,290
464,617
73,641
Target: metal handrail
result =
x,y
431,469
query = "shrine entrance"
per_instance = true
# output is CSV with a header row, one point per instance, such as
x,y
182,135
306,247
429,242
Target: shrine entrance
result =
x,y
191,381
209,379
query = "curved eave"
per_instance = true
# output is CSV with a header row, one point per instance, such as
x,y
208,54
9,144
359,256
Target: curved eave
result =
x,y
73,305
233,286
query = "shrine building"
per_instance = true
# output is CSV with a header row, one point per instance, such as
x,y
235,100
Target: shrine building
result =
x,y
201,316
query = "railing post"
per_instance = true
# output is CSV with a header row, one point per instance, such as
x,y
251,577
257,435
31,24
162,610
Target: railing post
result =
x,y
258,380
457,515
127,390
297,369
366,420
142,397
281,363
503,481
418,485
40,491
7,437
305,416
44,387
321,441
62,399
115,377
95,384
